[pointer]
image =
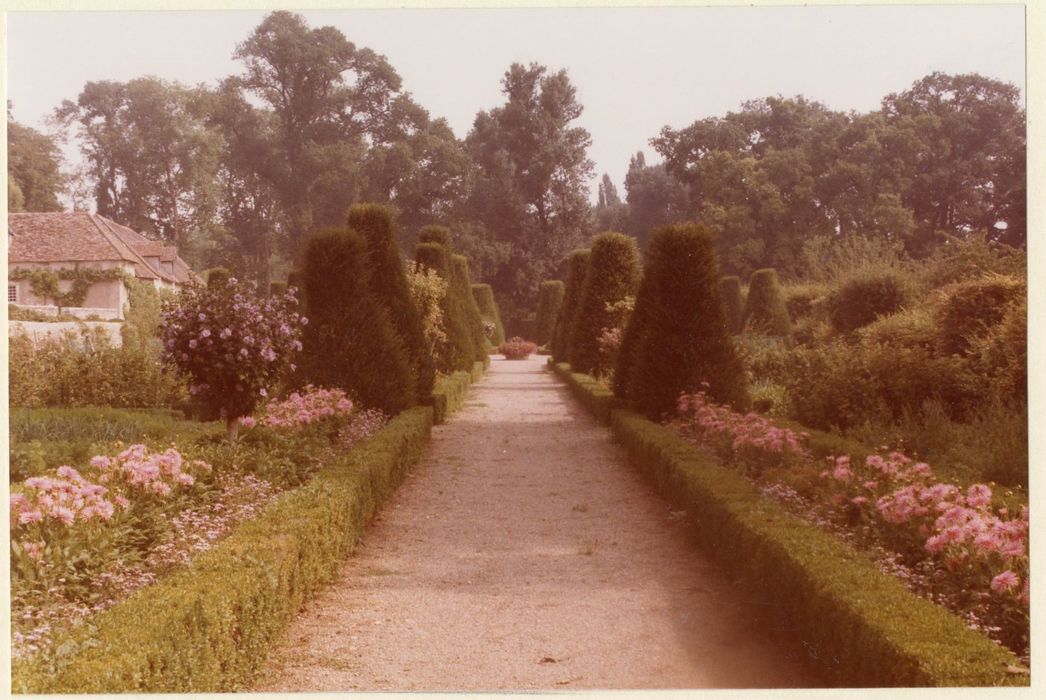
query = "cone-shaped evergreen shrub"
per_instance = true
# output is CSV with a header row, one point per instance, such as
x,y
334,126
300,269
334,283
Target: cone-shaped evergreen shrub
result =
x,y
733,306
461,288
350,343
865,296
765,310
217,276
488,309
613,274
436,234
550,299
388,283
460,349
681,343
628,352
577,271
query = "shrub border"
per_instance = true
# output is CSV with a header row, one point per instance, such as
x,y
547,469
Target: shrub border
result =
x,y
599,400
863,627
210,627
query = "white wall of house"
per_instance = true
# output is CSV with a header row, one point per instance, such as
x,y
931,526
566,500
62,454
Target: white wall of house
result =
x,y
106,298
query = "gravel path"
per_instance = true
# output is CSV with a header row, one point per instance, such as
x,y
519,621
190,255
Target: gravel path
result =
x,y
524,553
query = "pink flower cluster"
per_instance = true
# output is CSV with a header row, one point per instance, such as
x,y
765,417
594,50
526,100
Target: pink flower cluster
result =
x,y
517,349
959,527
301,409
136,469
64,498
750,436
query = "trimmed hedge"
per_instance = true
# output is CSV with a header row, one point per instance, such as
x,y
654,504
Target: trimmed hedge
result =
x,y
865,296
733,302
550,300
488,309
577,271
461,287
765,310
599,400
460,347
208,628
452,390
864,628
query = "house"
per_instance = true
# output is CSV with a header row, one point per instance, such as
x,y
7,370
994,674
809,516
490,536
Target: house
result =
x,y
89,258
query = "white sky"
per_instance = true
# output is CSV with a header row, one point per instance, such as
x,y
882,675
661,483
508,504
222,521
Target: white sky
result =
x,y
635,69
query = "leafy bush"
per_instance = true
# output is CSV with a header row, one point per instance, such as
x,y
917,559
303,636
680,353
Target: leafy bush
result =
x,y
577,272
1001,356
440,235
217,277
733,305
967,258
460,348
765,311
913,327
60,371
865,296
967,310
678,329
828,259
801,299
613,275
427,292
350,343
488,309
461,288
231,347
388,285
550,299
517,349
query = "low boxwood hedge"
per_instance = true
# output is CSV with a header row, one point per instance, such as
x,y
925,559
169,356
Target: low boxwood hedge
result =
x,y
452,390
863,627
209,627
598,399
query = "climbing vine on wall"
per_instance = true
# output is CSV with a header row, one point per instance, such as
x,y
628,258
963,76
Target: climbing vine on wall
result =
x,y
44,282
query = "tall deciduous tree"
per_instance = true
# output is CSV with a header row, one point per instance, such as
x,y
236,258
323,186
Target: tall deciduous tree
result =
x,y
531,186
33,176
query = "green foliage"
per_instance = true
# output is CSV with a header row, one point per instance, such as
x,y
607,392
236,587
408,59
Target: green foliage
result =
x,y
678,329
210,627
1001,356
461,288
33,169
959,259
863,628
449,395
141,326
802,299
388,285
613,274
550,300
968,310
440,235
765,311
217,276
488,309
733,305
595,396
829,259
60,371
44,282
866,295
913,327
350,342
427,292
577,272
460,349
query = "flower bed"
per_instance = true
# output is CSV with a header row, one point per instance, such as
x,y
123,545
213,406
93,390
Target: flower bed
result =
x,y
970,555
517,349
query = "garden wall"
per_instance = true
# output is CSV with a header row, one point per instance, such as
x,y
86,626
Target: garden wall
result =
x,y
863,627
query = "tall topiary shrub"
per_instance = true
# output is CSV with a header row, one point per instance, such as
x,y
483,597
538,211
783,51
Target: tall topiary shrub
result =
x,y
388,283
613,275
488,309
679,342
550,299
733,305
461,288
350,343
765,311
577,271
459,349
439,235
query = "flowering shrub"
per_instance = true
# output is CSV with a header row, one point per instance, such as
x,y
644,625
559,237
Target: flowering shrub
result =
x,y
748,439
517,349
304,408
233,347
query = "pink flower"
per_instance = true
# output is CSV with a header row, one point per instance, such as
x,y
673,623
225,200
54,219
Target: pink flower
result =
x,y
979,495
248,422
30,516
63,514
1005,582
122,502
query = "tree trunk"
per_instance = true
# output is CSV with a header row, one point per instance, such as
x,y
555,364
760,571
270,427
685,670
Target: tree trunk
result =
x,y
232,429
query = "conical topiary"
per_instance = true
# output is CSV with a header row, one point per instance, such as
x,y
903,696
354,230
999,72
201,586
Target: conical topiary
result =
x,y
613,275
577,271
461,284
765,309
436,234
550,299
733,305
460,348
488,309
681,342
388,283
350,343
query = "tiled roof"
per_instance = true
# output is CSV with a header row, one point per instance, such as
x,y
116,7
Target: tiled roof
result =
x,y
84,237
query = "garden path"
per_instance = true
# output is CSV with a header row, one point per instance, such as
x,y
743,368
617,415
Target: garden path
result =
x,y
524,553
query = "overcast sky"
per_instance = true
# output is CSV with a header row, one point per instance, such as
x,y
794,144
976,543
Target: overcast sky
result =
x,y
635,69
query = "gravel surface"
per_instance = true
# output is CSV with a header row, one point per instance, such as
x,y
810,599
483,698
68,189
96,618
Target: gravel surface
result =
x,y
523,553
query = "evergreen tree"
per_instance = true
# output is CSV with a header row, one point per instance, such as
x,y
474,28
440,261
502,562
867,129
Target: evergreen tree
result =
x,y
461,288
460,347
550,299
350,342
577,271
733,306
388,284
765,309
613,275
488,309
681,343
